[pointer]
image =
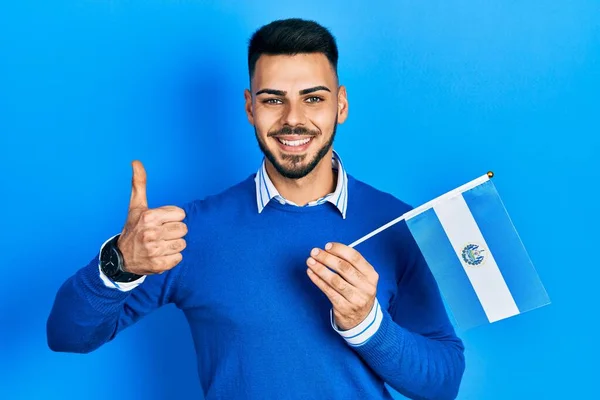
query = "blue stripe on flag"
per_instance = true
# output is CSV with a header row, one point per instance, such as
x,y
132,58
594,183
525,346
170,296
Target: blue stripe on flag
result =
x,y
506,246
447,269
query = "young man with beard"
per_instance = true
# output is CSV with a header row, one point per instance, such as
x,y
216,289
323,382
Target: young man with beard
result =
x,y
279,307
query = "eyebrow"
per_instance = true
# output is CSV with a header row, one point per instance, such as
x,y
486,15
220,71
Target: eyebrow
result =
x,y
283,93
314,89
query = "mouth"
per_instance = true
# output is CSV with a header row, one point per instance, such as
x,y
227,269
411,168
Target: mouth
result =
x,y
294,143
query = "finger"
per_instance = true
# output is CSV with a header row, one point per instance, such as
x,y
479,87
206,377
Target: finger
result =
x,y
337,300
333,280
348,271
165,263
162,215
170,247
138,186
351,256
172,230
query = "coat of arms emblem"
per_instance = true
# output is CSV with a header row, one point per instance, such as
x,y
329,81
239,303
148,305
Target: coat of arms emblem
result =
x,y
472,254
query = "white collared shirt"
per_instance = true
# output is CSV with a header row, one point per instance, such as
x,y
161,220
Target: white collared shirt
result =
x,y
266,191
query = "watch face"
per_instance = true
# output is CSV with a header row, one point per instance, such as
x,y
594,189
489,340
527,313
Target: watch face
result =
x,y
109,261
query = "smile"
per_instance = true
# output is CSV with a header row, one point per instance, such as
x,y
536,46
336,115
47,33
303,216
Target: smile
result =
x,y
294,143
291,143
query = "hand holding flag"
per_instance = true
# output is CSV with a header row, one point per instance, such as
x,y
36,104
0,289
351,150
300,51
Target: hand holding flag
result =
x,y
351,288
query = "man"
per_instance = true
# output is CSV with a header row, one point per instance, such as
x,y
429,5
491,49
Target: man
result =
x,y
279,307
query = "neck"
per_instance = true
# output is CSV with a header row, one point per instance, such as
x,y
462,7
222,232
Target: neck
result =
x,y
318,183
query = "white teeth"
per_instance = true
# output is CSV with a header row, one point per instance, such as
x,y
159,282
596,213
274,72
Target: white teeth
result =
x,y
293,143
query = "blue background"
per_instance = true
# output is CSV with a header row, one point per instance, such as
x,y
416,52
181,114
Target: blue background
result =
x,y
440,92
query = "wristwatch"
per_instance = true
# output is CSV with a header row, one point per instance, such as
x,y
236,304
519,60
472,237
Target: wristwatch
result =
x,y
111,263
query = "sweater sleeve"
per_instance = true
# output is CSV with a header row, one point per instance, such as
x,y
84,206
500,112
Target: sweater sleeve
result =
x,y
415,350
86,313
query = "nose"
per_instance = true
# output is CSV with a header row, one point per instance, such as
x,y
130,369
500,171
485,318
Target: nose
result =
x,y
292,115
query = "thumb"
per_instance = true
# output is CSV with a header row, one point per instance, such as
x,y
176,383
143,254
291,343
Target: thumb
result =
x,y
138,186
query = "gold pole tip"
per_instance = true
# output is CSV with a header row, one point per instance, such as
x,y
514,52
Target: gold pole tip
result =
x,y
490,174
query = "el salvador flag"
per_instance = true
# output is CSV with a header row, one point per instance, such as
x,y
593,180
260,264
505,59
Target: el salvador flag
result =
x,y
475,254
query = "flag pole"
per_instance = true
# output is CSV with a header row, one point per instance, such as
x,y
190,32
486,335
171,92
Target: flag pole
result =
x,y
414,212
376,231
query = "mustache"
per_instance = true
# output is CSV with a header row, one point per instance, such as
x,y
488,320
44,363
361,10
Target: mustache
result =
x,y
298,130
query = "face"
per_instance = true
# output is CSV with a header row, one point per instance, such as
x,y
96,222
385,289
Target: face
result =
x,y
294,104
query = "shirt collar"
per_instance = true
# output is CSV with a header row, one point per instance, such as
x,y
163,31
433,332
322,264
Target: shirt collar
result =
x,y
265,190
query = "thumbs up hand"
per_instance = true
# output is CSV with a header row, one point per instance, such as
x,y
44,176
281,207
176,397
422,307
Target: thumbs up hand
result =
x,y
152,239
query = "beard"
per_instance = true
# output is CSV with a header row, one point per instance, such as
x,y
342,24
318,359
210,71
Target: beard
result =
x,y
292,166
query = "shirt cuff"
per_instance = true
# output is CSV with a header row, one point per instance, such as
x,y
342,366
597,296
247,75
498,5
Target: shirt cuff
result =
x,y
122,286
361,333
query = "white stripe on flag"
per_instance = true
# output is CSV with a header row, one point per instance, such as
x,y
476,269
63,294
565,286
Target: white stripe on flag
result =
x,y
486,278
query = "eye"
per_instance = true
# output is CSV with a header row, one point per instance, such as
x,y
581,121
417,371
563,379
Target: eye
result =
x,y
314,99
272,101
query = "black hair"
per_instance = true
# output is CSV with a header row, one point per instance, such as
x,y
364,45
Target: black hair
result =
x,y
290,37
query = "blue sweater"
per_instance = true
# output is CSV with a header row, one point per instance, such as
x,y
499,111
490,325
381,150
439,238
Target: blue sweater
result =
x,y
261,328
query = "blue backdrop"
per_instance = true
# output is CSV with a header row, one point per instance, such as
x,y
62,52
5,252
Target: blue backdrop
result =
x,y
440,92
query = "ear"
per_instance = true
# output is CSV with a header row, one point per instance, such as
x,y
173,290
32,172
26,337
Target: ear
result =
x,y
342,107
248,106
